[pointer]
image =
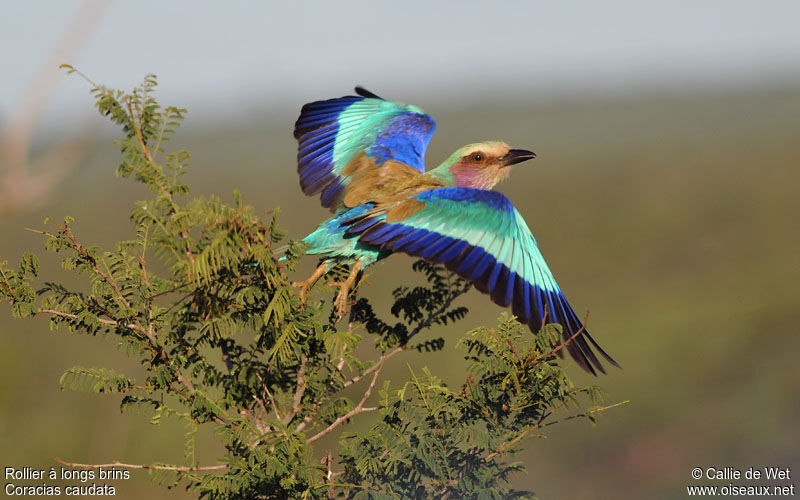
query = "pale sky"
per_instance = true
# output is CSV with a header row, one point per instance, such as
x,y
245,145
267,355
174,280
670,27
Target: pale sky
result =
x,y
233,55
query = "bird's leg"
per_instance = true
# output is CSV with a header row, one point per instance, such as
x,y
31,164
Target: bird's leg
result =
x,y
306,284
344,289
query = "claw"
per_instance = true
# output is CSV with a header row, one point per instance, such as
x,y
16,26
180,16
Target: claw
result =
x,y
344,290
305,285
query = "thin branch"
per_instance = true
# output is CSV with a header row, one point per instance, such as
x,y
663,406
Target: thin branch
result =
x,y
355,411
143,263
102,321
297,400
590,411
187,382
327,462
182,285
258,417
269,396
7,285
175,468
137,129
508,444
514,352
528,430
377,366
188,251
307,420
75,245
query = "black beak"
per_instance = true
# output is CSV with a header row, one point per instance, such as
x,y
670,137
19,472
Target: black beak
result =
x,y
515,156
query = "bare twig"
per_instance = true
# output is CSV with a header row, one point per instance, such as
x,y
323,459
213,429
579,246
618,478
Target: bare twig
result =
x,y
102,321
297,400
355,411
187,382
328,461
269,396
176,468
377,366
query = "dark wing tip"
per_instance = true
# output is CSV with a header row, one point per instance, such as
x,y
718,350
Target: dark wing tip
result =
x,y
601,351
584,355
366,93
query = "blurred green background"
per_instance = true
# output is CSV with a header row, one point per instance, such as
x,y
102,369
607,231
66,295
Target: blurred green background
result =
x,y
671,212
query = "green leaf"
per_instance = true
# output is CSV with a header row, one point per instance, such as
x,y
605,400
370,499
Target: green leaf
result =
x,y
95,380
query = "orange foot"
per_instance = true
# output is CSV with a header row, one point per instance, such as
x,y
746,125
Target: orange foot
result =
x,y
344,290
307,284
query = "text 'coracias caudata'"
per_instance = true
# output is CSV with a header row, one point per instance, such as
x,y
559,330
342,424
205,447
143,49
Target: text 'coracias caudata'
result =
x,y
365,156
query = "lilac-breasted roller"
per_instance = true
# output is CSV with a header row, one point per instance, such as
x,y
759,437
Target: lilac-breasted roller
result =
x,y
365,156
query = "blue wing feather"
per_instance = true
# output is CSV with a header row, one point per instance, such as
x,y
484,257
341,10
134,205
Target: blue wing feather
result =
x,y
331,133
481,236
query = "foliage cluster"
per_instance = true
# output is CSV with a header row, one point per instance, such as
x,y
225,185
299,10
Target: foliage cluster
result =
x,y
201,297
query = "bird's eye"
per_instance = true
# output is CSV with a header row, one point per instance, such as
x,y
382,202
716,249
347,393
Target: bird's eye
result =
x,y
477,157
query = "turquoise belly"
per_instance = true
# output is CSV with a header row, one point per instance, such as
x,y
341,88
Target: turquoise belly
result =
x,y
331,240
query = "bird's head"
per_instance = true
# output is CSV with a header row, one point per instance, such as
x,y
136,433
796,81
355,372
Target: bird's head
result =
x,y
482,165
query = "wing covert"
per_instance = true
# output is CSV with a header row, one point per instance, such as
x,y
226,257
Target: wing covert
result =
x,y
337,136
481,236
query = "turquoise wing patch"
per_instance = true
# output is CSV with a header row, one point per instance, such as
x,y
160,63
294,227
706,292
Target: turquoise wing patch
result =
x,y
331,133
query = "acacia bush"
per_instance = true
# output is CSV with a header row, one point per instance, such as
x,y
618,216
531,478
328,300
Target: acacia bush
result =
x,y
200,297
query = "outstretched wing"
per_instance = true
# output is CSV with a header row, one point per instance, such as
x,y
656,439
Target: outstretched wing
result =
x,y
354,132
481,236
